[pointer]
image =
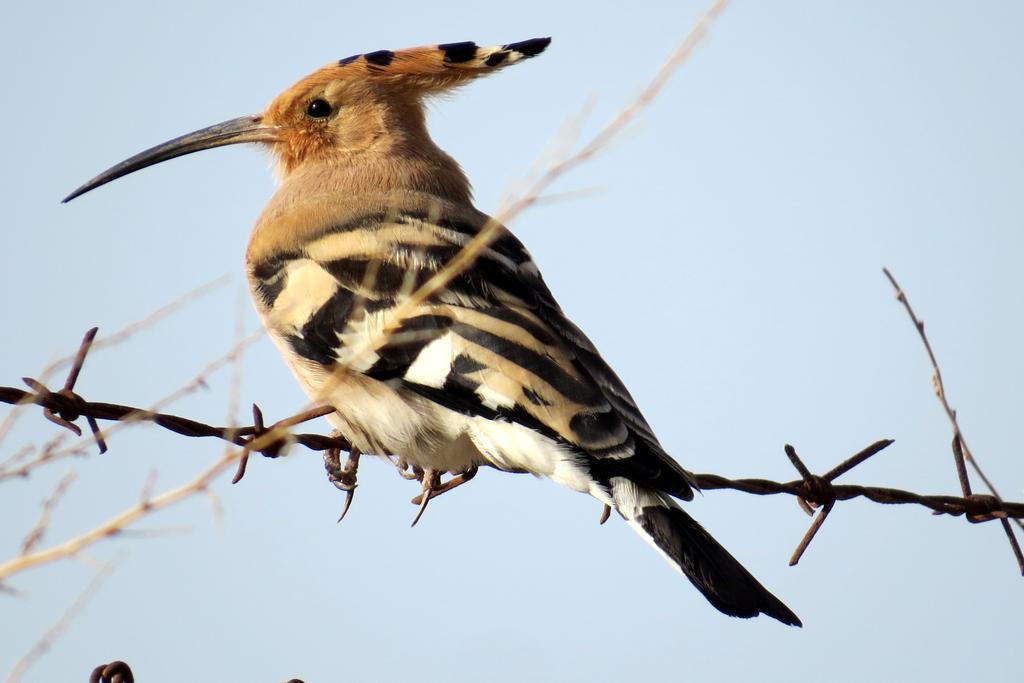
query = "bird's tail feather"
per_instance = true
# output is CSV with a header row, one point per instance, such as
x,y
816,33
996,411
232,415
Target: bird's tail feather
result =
x,y
691,550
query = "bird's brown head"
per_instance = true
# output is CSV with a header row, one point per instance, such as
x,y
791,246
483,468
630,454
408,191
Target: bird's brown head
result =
x,y
362,106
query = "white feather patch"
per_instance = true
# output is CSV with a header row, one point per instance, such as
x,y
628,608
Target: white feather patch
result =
x,y
494,399
511,446
630,500
433,363
355,343
307,288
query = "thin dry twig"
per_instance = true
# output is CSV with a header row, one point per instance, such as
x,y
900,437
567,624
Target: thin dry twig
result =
x,y
962,454
116,338
134,328
269,441
940,387
33,537
47,640
65,406
115,524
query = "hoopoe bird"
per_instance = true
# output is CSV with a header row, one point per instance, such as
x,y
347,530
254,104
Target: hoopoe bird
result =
x,y
485,370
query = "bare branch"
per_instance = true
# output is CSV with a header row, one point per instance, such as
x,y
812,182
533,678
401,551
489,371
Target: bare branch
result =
x,y
134,328
961,451
121,335
960,444
271,440
39,530
47,640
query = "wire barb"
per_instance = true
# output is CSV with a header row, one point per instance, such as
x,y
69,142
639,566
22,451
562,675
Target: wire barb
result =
x,y
114,672
65,406
270,442
818,491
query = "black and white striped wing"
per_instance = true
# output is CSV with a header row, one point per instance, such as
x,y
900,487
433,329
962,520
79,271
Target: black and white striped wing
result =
x,y
493,343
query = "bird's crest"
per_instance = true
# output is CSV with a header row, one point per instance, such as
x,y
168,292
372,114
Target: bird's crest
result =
x,y
436,67
427,69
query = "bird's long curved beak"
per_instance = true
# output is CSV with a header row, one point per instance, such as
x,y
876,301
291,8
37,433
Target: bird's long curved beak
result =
x,y
235,131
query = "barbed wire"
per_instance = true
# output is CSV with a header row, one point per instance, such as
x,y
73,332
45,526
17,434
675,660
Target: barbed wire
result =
x,y
65,407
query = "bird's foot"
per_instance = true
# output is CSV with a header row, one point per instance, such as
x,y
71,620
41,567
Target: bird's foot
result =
x,y
403,467
433,487
343,478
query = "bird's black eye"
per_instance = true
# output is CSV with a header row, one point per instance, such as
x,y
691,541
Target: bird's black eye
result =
x,y
318,109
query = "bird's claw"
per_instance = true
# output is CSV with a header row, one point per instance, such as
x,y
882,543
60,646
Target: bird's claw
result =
x,y
431,481
432,487
343,478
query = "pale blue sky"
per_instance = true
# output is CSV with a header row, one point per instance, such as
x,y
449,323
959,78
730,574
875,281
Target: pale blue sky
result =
x,y
729,269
